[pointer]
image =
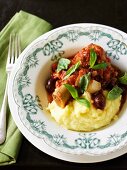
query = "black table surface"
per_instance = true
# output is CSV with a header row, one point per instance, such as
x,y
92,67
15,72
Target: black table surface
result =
x,y
58,13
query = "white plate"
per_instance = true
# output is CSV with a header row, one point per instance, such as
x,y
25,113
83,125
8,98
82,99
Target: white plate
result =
x,y
28,104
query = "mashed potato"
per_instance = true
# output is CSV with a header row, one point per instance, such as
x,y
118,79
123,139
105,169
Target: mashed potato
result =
x,y
78,117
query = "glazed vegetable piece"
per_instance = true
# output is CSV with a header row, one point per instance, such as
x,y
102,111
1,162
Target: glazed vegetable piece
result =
x,y
61,96
94,86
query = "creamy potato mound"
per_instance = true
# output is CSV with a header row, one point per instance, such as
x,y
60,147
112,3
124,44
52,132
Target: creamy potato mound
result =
x,y
78,117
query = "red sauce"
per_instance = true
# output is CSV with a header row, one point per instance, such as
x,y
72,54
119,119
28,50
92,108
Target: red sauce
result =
x,y
107,77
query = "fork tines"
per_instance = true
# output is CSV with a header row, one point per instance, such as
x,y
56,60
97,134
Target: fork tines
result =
x,y
14,48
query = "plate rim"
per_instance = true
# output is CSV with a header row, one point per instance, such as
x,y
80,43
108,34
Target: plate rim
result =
x,y
28,135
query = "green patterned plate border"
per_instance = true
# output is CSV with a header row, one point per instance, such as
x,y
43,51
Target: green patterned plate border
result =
x,y
29,104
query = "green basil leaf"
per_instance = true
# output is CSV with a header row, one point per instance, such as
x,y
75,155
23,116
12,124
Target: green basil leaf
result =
x,y
93,57
83,101
123,79
72,70
74,94
100,66
114,93
84,82
63,64
72,90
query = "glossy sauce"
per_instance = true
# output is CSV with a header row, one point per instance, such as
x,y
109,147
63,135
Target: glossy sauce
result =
x,y
107,77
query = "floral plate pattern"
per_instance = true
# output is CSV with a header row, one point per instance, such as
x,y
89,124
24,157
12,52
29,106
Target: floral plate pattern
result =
x,y
30,75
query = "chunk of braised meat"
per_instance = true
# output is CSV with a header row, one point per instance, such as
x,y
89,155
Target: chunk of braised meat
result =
x,y
61,96
84,55
54,67
107,77
99,100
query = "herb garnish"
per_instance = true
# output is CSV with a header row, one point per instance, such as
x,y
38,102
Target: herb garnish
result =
x,y
74,94
72,90
114,93
72,70
84,82
83,101
102,65
63,64
123,79
93,57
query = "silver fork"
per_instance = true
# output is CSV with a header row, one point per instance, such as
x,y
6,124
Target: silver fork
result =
x,y
13,53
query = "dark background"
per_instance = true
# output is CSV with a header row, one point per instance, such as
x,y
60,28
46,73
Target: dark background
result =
x,y
58,13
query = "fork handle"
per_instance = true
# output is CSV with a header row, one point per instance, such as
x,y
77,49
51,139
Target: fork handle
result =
x,y
3,115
